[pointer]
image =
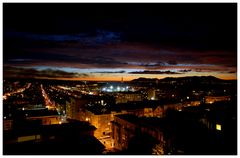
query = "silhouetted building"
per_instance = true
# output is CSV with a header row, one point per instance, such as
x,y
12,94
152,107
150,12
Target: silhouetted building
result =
x,y
125,97
70,138
73,107
136,135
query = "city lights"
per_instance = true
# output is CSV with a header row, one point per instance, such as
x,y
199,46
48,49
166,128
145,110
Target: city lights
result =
x,y
101,109
120,79
116,89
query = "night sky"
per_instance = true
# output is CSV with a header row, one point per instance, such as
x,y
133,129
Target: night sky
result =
x,y
110,41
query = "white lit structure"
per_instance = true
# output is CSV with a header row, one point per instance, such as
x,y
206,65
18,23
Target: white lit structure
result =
x,y
118,88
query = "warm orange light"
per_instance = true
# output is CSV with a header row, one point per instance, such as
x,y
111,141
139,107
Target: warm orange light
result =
x,y
128,77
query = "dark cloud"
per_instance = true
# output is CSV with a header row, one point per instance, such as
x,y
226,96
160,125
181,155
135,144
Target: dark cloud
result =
x,y
232,72
98,37
152,65
110,72
159,36
153,72
104,60
18,72
59,57
59,73
184,70
32,73
186,25
207,70
41,57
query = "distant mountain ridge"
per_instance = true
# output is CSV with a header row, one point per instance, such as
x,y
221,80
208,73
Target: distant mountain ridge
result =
x,y
188,78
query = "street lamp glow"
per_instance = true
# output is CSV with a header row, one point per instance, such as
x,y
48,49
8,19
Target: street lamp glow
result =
x,y
218,127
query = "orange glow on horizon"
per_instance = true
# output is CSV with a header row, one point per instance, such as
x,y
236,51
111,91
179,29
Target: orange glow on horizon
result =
x,y
129,78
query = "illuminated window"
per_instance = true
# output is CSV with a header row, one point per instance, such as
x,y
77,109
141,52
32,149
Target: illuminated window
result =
x,y
218,127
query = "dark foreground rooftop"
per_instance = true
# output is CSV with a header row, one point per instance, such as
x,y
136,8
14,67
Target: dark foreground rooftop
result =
x,y
73,138
84,145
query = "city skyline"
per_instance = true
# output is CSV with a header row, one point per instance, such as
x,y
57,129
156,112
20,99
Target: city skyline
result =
x,y
113,41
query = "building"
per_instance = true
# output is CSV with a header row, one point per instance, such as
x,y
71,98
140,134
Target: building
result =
x,y
46,120
70,138
73,107
7,124
124,97
43,115
123,129
212,99
100,118
173,106
151,94
127,127
144,108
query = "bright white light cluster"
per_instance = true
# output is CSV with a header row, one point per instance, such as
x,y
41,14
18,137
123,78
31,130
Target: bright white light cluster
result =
x,y
115,89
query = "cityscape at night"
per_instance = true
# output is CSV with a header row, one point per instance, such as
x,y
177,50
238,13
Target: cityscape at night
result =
x,y
119,79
